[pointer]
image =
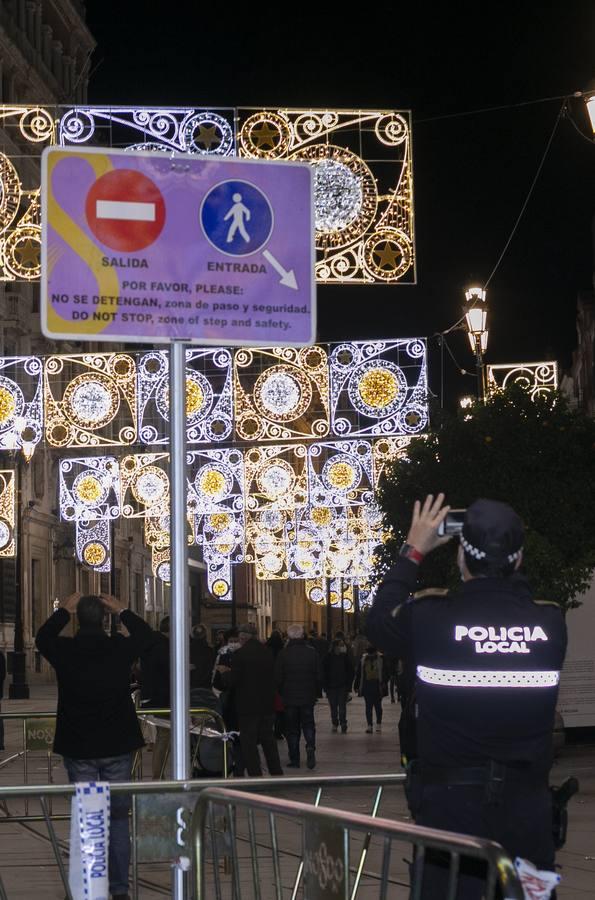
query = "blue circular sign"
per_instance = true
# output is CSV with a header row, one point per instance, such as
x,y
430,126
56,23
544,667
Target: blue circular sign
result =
x,y
236,218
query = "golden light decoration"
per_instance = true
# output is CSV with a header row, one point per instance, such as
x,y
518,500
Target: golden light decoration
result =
x,y
94,554
212,482
151,486
220,588
144,485
378,388
280,393
90,400
363,204
321,515
195,398
7,514
219,521
341,475
89,489
7,405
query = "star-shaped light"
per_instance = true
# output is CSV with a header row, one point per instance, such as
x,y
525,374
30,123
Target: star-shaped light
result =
x,y
388,257
207,136
265,136
412,419
26,252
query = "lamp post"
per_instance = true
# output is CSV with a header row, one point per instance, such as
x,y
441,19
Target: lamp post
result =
x,y
476,318
589,98
18,689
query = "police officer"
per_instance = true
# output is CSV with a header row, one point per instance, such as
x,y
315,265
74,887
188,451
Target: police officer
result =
x,y
487,660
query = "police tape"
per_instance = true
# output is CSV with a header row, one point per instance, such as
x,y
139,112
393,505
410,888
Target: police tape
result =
x,y
537,885
89,841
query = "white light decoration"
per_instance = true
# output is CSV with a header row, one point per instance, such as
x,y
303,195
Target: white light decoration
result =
x,y
21,403
338,195
340,473
93,544
538,378
209,409
89,489
276,476
378,388
144,485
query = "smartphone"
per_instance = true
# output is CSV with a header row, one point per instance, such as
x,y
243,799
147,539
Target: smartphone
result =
x,y
453,523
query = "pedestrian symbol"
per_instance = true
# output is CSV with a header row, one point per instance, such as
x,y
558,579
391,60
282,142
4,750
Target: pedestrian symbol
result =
x,y
237,214
236,218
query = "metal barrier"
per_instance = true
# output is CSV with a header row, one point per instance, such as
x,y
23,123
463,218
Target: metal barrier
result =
x,y
162,812
329,851
38,729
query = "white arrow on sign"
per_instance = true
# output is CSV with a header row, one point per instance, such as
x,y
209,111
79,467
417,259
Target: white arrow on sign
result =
x,y
287,277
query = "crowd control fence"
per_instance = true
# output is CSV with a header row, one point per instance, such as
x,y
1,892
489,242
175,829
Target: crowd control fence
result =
x,y
38,730
273,846
327,850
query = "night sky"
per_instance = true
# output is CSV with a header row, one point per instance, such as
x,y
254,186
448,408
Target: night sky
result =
x,y
472,172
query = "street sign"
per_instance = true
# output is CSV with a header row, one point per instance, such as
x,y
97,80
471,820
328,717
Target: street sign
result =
x,y
141,246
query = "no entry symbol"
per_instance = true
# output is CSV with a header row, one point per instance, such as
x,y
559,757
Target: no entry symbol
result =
x,y
125,210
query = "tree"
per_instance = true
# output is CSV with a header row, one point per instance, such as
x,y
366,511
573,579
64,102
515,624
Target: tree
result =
x,y
538,455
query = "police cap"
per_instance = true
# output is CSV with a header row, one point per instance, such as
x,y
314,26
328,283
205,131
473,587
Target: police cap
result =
x,y
492,531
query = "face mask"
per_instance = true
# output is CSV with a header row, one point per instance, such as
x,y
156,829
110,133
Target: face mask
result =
x,y
342,649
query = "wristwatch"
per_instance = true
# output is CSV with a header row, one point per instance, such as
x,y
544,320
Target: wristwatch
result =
x,y
409,552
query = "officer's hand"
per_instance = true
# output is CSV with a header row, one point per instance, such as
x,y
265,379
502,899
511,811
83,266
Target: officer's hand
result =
x,y
423,532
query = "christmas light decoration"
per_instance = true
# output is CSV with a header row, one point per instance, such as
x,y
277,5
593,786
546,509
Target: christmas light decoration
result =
x,y
144,485
21,403
89,489
363,203
95,407
93,544
537,378
8,540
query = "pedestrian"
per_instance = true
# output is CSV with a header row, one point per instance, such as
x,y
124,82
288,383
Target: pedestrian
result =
x,y
224,691
371,685
487,663
252,682
97,730
2,677
155,693
275,643
338,678
359,645
202,659
298,674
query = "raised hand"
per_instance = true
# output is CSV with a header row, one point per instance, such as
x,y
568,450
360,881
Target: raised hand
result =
x,y
423,531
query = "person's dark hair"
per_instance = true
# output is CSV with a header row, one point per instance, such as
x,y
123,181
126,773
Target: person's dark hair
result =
x,y
200,632
90,612
230,633
164,625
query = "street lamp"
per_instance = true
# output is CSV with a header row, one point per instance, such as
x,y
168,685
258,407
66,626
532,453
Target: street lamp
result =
x,y
589,98
476,318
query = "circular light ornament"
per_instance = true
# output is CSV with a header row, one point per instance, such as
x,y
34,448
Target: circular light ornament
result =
x,y
94,554
338,195
12,402
218,522
164,572
214,482
271,519
263,543
282,393
316,595
341,473
199,397
89,489
272,563
4,535
150,486
377,388
275,479
304,560
220,588
321,516
91,400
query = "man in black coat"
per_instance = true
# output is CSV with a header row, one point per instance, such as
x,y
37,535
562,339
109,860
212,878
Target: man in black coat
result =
x,y
202,659
251,679
97,730
298,673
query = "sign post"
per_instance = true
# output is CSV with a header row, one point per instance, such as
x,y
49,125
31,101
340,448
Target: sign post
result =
x,y
152,248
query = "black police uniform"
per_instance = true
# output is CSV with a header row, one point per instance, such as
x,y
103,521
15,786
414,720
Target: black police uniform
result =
x,y
487,659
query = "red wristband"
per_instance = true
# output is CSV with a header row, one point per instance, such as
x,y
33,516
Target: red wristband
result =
x,y
409,552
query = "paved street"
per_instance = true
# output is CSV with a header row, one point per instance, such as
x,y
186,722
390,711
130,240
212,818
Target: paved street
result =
x,y
26,860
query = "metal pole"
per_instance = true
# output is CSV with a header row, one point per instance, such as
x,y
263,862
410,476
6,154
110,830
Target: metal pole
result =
x,y
341,593
112,577
179,647
329,614
18,689
355,607
234,601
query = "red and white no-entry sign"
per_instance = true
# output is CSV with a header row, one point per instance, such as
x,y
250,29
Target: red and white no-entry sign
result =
x,y
125,210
